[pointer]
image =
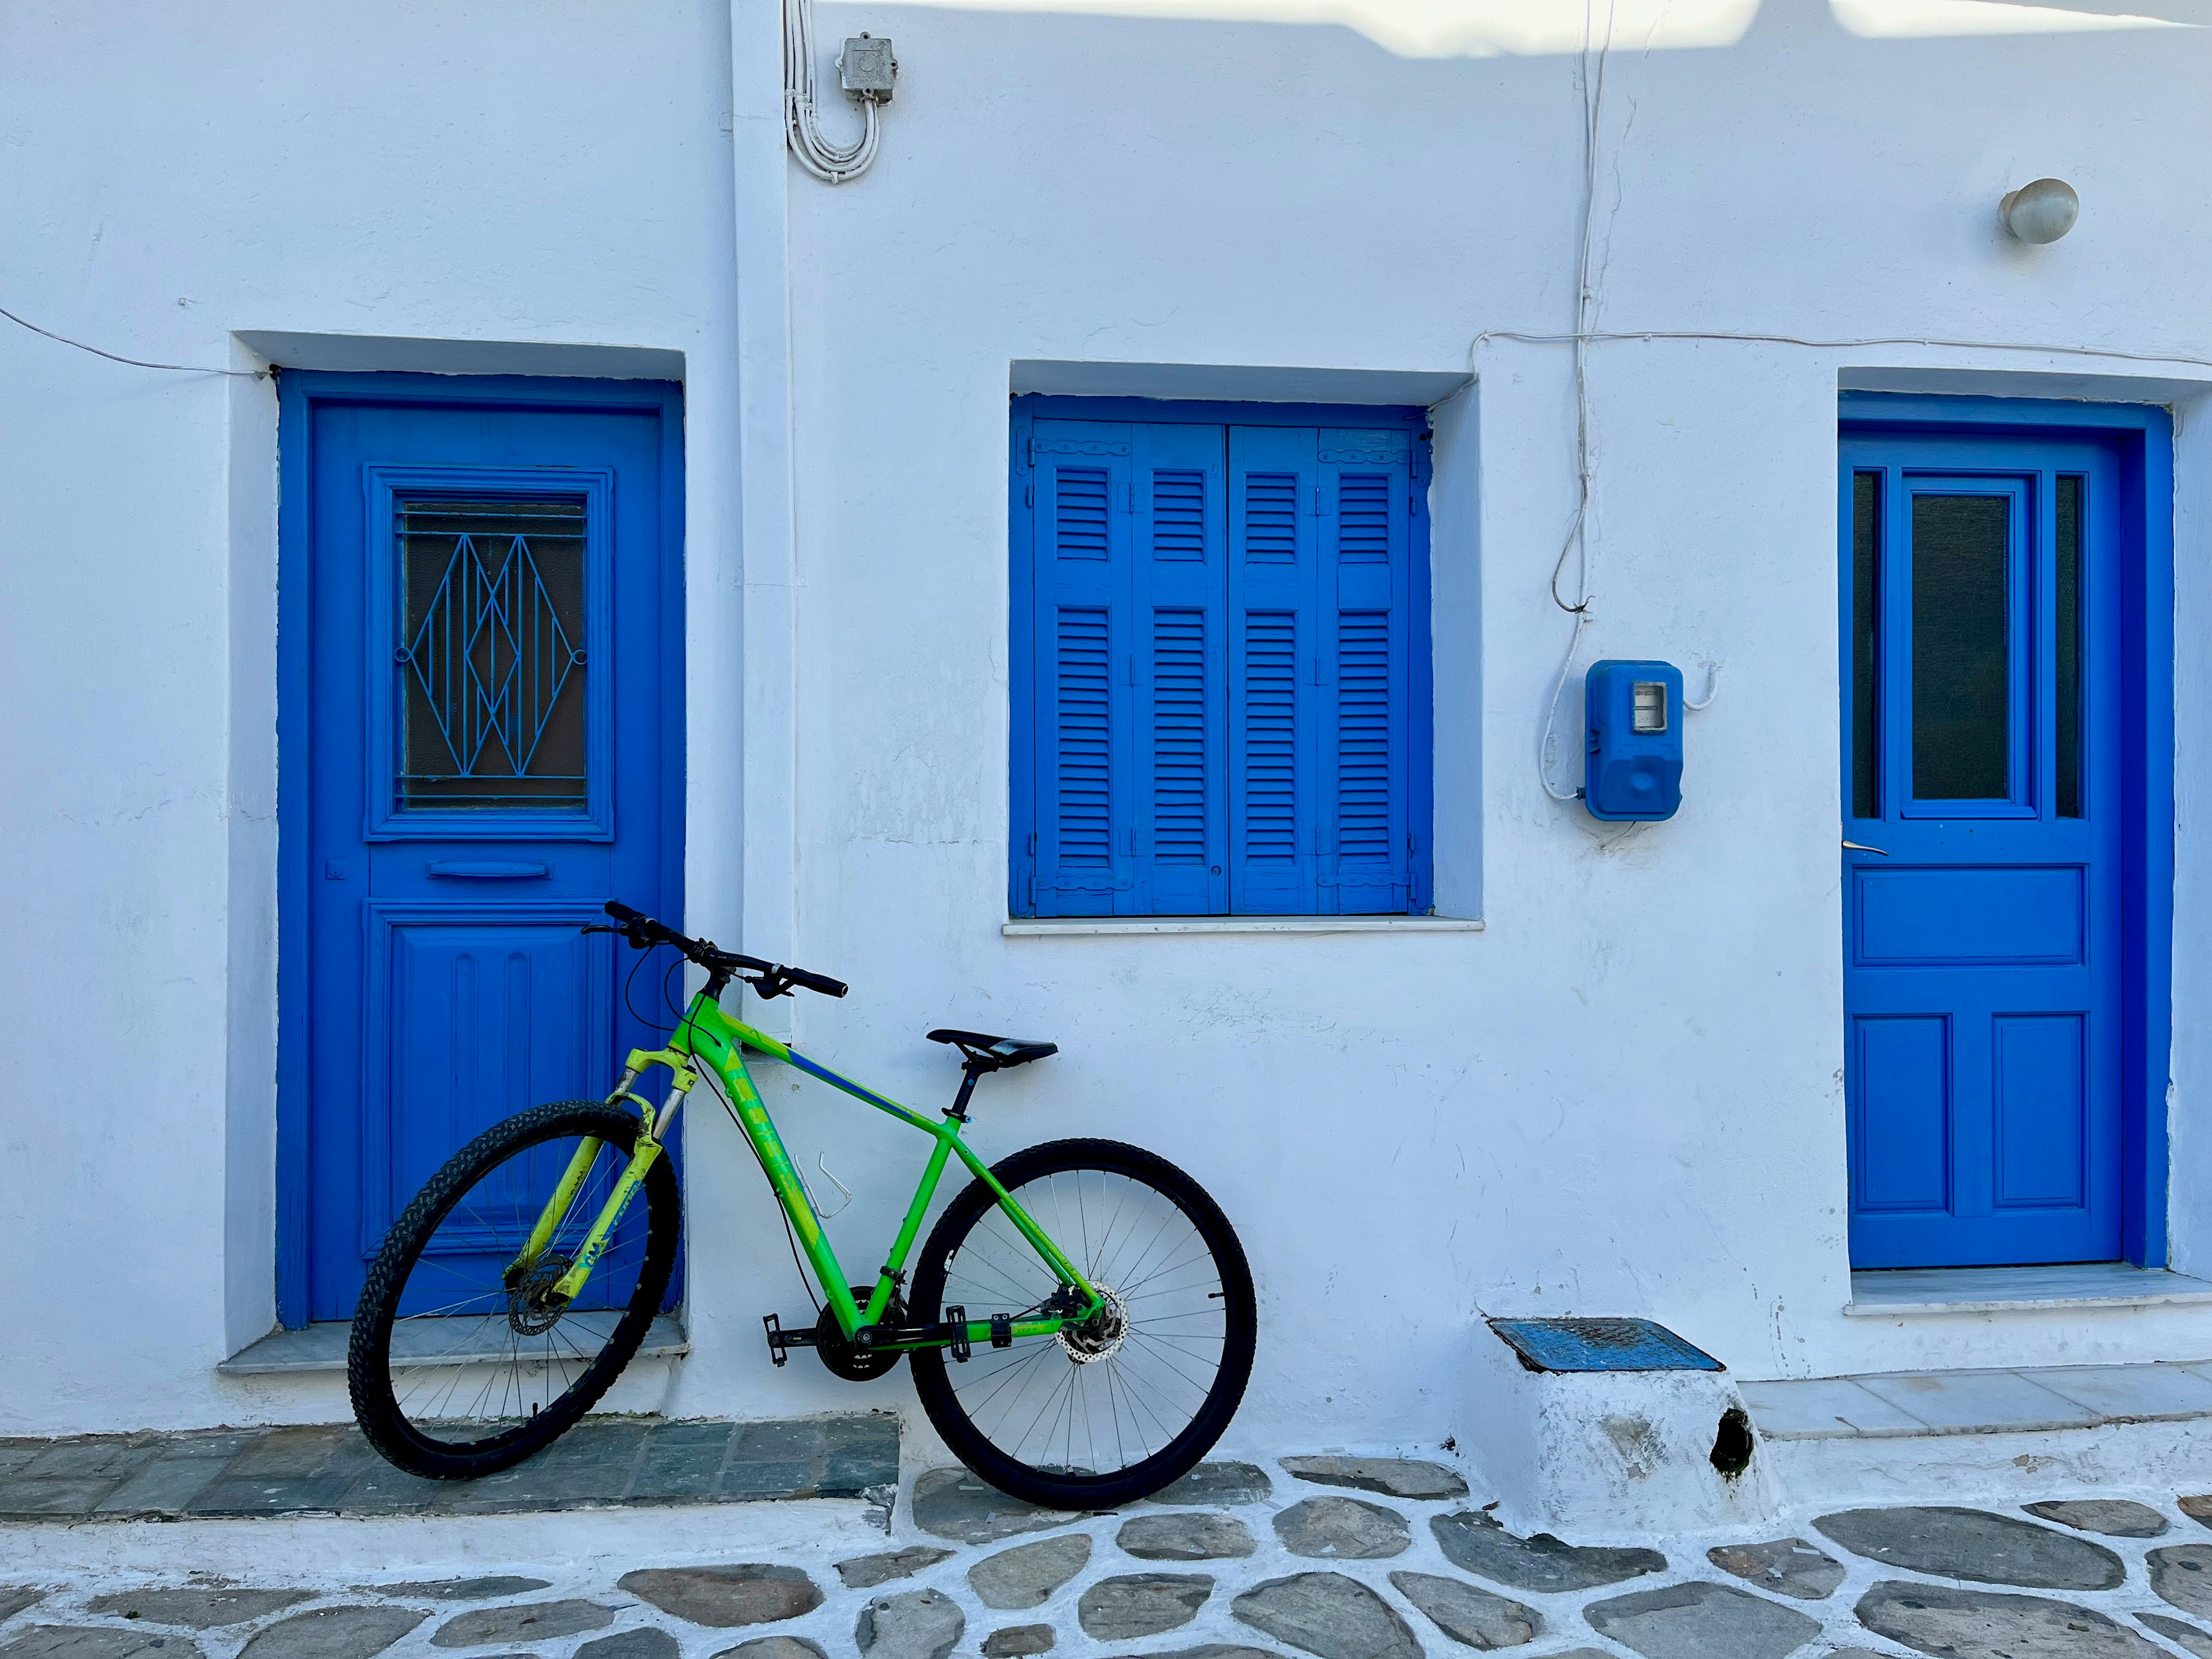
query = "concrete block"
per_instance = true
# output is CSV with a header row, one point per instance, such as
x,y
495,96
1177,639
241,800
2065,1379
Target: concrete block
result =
x,y
1605,1455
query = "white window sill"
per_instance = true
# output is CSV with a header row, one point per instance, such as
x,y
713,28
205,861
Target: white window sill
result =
x,y
1069,927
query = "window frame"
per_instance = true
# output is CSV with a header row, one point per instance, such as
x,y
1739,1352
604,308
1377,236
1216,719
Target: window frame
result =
x,y
1023,763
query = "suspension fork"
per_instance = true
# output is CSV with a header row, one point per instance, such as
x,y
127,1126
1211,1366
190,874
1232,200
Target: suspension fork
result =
x,y
648,1148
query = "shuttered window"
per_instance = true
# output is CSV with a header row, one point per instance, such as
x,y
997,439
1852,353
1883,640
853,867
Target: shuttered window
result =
x,y
1221,678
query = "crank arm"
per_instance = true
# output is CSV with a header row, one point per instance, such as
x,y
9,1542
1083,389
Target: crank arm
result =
x,y
778,1338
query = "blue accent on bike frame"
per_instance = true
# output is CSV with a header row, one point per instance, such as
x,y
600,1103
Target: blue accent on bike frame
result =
x,y
856,1090
2007,966
411,922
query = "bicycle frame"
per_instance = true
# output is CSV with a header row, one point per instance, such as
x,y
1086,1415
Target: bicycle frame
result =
x,y
707,1033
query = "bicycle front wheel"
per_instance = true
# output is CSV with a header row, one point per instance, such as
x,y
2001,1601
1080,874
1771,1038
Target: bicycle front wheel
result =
x,y
463,1360
1114,1409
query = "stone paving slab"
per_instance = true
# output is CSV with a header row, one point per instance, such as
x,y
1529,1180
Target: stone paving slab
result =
x,y
2115,1518
329,1468
1789,1566
1393,1477
1964,1623
1975,1546
198,1609
1702,1620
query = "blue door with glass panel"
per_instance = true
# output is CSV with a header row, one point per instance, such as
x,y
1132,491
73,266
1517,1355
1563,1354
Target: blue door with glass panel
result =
x,y
480,726
1983,739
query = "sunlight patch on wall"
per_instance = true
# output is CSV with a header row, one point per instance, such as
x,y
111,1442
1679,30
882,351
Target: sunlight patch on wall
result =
x,y
1444,28
1925,19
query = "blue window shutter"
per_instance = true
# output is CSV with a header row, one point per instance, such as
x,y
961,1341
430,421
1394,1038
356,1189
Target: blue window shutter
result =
x,y
1366,758
1085,863
1275,649
1220,664
1180,679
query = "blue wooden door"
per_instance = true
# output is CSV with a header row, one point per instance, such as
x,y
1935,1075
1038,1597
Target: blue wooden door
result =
x,y
1983,735
492,735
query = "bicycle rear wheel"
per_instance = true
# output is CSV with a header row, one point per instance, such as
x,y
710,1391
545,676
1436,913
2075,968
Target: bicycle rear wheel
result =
x,y
455,1371
1114,1409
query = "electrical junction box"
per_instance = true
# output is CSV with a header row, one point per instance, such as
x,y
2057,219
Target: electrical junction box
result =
x,y
1633,762
866,68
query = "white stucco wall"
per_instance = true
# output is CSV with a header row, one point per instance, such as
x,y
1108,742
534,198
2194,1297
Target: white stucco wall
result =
x,y
1622,1095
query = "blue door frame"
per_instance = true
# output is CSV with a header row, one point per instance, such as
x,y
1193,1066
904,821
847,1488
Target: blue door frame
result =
x,y
2004,451
381,876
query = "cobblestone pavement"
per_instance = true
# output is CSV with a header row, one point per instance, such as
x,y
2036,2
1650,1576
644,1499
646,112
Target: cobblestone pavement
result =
x,y
1340,1558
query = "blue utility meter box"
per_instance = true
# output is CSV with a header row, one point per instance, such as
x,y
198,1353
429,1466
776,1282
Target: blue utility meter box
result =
x,y
1633,762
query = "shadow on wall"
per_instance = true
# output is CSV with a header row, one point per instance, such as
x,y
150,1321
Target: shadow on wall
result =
x,y
1491,28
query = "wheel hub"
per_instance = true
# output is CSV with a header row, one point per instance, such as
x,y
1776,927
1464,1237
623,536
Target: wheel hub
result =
x,y
1100,1336
533,1310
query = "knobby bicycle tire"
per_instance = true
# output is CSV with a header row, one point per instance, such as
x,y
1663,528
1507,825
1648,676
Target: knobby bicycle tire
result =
x,y
369,1368
938,1378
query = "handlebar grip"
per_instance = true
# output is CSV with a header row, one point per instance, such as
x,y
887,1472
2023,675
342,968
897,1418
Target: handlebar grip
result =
x,y
820,982
623,913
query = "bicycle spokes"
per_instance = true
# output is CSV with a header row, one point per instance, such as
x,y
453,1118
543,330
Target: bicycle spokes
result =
x,y
1113,1391
485,1338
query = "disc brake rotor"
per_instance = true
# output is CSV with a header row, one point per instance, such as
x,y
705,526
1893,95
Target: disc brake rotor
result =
x,y
1100,1336
531,1308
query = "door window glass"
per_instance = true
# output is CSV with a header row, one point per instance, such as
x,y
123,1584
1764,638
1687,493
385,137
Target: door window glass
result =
x,y
2067,598
1961,665
1866,614
491,660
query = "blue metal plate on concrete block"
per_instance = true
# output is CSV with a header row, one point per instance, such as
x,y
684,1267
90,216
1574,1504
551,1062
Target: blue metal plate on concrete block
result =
x,y
1601,1345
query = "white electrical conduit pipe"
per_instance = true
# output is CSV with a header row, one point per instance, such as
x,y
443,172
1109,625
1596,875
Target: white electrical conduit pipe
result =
x,y
833,164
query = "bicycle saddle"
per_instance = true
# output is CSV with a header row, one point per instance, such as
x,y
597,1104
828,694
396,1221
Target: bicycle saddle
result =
x,y
986,1053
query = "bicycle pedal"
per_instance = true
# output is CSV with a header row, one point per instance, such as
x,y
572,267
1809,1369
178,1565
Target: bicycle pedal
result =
x,y
779,1339
1002,1330
956,1322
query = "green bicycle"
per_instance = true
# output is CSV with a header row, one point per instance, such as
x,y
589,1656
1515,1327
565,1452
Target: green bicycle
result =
x,y
1080,1324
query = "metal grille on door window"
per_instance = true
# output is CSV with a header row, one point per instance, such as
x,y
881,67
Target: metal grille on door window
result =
x,y
491,659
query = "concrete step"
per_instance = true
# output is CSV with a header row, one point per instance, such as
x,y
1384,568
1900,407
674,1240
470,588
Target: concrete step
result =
x,y
1893,1292
330,1469
1991,1433
321,1347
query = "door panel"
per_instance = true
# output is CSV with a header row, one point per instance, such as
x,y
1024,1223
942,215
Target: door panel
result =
x,y
493,727
1903,1144
1981,709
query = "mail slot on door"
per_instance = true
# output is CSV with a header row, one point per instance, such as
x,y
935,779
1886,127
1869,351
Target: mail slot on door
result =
x,y
1633,761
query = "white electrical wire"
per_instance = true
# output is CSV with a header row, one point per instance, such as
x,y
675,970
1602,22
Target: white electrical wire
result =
x,y
1712,689
1577,542
1615,336
833,164
1592,75
135,362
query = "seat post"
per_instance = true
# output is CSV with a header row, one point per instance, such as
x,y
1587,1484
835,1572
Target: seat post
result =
x,y
957,1111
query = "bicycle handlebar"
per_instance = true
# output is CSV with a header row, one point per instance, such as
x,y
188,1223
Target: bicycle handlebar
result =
x,y
770,979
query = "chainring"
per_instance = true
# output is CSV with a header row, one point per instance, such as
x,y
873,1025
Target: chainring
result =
x,y
857,1365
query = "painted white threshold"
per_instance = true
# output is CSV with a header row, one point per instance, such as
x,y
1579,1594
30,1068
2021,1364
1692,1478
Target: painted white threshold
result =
x,y
321,1347
1069,927
1893,1291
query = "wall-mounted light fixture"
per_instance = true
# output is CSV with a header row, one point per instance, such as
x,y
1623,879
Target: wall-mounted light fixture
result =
x,y
2041,212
